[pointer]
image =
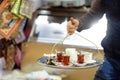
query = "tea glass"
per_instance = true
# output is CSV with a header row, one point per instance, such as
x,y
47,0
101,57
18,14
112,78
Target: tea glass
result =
x,y
59,56
80,58
65,60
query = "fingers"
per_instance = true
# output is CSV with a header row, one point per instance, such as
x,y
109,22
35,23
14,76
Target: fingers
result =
x,y
72,25
74,22
71,30
72,19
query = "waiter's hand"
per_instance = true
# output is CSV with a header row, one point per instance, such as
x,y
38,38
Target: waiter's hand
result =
x,y
72,25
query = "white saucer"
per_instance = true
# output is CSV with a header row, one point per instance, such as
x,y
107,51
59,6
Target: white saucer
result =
x,y
65,66
60,64
80,64
91,62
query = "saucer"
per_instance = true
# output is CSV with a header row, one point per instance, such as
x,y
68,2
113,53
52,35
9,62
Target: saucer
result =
x,y
91,62
65,66
80,64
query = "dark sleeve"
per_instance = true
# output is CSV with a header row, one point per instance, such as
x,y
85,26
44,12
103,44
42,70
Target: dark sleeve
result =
x,y
92,16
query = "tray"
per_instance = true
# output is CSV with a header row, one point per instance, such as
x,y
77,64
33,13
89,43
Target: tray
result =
x,y
43,62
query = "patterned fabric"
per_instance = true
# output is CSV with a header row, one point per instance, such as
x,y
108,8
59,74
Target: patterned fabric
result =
x,y
18,56
10,57
5,15
16,9
8,24
27,8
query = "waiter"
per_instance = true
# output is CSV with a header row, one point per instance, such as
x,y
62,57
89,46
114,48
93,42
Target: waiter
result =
x,y
110,69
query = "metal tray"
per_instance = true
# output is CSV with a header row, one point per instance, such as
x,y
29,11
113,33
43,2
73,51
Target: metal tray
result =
x,y
43,62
